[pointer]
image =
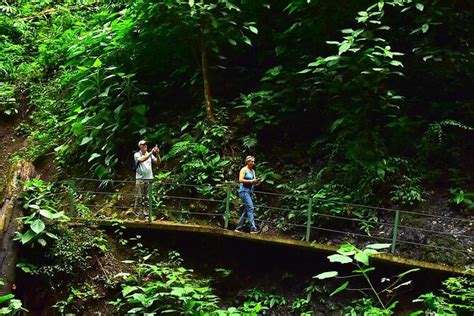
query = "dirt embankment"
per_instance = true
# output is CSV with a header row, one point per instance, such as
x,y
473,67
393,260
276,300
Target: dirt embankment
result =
x,y
11,177
10,143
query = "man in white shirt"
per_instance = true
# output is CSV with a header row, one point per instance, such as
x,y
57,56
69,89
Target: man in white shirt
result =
x,y
144,161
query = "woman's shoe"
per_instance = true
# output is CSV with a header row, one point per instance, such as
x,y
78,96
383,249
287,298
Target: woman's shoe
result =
x,y
255,231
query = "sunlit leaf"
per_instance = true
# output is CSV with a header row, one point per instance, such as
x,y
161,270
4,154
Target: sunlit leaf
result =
x,y
340,258
326,275
26,237
46,213
346,249
344,47
362,257
37,226
340,288
378,246
128,289
253,29
85,140
425,27
97,63
6,297
93,156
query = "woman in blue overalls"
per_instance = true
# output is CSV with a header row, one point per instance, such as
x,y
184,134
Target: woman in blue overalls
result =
x,y
247,180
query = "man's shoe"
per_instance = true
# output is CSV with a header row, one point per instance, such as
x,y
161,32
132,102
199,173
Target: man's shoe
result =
x,y
255,231
238,230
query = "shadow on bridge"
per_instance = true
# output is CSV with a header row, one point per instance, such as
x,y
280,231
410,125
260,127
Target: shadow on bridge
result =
x,y
193,231
307,221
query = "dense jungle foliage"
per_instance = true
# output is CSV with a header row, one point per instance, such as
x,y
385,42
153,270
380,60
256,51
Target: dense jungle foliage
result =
x,y
366,102
377,109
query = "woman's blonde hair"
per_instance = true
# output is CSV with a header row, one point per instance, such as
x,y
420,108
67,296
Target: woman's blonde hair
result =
x,y
248,158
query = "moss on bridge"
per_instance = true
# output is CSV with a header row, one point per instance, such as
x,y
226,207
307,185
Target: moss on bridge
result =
x,y
274,240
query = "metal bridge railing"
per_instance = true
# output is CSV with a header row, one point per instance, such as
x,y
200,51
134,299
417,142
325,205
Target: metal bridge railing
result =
x,y
306,218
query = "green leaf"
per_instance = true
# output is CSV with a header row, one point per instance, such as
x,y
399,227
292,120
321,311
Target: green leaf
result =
x,y
379,246
381,173
424,28
60,215
185,126
77,128
326,275
202,149
420,6
339,289
344,47
346,249
42,242
336,124
427,57
46,213
340,258
37,226
26,237
51,235
331,58
118,109
191,3
97,63
370,252
85,140
380,5
362,257
247,40
128,289
364,270
178,291
316,63
396,63
253,29
232,42
5,298
135,310
407,272
105,93
93,156
15,304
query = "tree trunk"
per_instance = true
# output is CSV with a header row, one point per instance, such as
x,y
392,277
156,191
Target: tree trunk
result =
x,y
10,209
205,69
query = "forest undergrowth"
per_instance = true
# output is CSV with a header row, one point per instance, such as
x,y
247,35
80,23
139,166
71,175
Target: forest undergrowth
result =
x,y
357,106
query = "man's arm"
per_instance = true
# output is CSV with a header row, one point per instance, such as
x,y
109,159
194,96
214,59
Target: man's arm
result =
x,y
144,157
156,160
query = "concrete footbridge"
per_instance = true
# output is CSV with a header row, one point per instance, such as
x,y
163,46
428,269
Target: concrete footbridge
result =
x,y
308,222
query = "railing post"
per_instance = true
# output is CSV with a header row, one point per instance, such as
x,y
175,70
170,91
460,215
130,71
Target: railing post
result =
x,y
227,208
72,191
308,221
395,230
150,200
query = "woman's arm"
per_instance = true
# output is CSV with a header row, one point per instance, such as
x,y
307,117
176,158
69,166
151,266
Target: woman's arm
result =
x,y
242,177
